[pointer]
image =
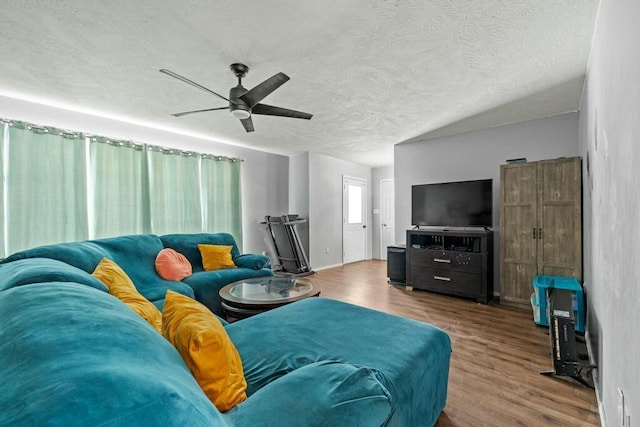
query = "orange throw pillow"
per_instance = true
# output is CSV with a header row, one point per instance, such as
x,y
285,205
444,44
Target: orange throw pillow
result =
x,y
121,287
216,257
206,349
172,265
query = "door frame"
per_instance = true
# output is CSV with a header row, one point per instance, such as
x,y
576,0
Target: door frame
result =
x,y
383,249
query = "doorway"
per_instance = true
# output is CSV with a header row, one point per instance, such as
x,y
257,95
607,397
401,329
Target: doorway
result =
x,y
387,216
354,219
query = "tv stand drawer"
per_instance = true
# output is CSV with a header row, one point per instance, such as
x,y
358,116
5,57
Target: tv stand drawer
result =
x,y
448,281
458,261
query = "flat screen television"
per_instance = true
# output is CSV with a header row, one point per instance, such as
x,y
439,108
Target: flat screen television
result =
x,y
453,204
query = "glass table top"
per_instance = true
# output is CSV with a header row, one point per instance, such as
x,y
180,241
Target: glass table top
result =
x,y
270,289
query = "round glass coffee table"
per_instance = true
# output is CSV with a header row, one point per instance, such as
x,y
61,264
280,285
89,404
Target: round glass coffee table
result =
x,y
249,297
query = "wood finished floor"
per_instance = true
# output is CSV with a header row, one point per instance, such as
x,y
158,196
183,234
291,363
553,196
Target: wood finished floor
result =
x,y
497,353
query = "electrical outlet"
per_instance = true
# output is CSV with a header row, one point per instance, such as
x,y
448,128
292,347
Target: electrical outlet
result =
x,y
326,250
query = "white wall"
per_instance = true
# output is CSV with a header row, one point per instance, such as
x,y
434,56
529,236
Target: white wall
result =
x,y
264,175
299,195
264,192
376,175
478,155
610,139
325,207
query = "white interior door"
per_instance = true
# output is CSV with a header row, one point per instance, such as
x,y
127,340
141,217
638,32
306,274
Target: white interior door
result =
x,y
354,217
387,216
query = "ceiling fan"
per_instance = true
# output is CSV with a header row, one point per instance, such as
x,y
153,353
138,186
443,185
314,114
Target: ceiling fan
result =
x,y
242,102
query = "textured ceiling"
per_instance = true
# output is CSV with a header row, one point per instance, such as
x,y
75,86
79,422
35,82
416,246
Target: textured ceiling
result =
x,y
373,72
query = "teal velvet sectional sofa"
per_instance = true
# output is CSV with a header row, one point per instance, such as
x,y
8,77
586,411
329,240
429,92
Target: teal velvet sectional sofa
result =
x,y
136,255
71,354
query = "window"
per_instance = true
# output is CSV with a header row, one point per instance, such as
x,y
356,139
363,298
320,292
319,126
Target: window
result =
x,y
355,204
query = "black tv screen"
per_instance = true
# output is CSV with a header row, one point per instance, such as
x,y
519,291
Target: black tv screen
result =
x,y
453,204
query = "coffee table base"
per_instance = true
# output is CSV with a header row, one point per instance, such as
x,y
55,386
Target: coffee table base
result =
x,y
236,313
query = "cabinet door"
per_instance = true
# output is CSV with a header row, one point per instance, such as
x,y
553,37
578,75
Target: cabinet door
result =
x,y
559,218
518,231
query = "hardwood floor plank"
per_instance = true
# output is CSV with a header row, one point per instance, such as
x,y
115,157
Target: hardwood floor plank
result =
x,y
497,352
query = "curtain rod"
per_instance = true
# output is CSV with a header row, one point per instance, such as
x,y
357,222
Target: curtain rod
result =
x,y
116,142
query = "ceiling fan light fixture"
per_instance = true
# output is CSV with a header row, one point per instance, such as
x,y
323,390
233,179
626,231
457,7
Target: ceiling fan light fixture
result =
x,y
240,114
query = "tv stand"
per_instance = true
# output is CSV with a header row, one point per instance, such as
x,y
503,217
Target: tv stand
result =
x,y
451,261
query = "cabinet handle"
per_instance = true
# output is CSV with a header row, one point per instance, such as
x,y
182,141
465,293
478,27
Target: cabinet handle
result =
x,y
534,232
445,261
445,279
540,233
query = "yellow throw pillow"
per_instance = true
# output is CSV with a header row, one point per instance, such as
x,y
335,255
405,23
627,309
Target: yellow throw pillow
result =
x,y
206,349
216,257
121,287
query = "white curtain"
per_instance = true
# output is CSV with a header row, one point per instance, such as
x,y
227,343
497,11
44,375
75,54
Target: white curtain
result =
x,y
119,188
174,191
221,196
46,188
3,137
59,186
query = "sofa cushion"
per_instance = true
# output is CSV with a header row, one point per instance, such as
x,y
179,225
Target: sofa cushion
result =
x,y
413,364
72,355
325,393
136,255
42,270
206,285
252,261
206,349
121,287
216,257
187,244
172,265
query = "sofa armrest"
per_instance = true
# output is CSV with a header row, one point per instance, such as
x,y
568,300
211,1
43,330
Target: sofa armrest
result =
x,y
43,270
252,261
319,394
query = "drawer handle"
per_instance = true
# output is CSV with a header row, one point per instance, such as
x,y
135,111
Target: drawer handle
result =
x,y
445,279
446,261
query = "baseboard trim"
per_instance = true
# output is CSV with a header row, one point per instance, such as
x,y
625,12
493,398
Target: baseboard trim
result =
x,y
326,267
596,379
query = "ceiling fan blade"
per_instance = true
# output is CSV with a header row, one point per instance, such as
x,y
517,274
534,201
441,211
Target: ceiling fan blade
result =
x,y
248,124
270,110
186,80
198,111
258,93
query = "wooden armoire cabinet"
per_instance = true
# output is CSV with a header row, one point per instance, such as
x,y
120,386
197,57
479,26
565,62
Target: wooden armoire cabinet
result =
x,y
540,224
